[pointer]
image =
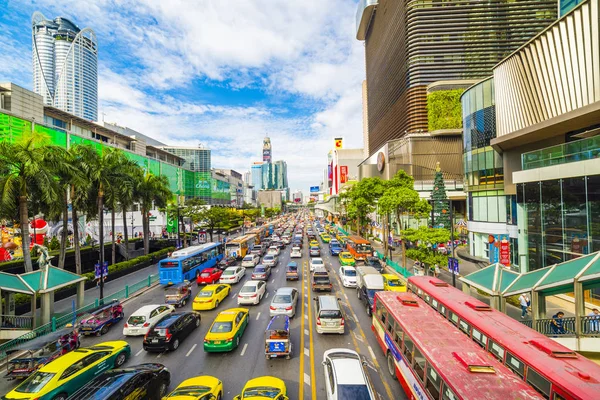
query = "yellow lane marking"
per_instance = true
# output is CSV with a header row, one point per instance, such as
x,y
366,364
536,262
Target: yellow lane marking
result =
x,y
301,350
313,385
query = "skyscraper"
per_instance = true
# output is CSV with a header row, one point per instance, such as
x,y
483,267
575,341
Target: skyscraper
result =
x,y
65,65
267,156
256,171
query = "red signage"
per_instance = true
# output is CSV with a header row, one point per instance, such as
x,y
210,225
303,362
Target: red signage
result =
x,y
343,173
505,252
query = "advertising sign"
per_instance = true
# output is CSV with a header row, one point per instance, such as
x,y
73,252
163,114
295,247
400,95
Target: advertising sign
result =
x,y
202,237
314,189
496,242
338,143
343,173
505,252
330,174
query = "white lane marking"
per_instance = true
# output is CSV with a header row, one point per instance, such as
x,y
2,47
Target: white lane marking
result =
x,y
139,352
357,337
306,379
267,295
160,354
273,281
258,316
305,316
306,353
244,349
371,353
192,349
306,332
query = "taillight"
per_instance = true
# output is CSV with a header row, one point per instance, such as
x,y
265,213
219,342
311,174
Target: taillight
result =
x,y
254,295
147,324
206,341
229,340
288,308
168,335
343,322
318,321
272,308
126,326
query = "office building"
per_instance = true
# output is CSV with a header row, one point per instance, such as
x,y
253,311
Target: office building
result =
x,y
236,186
270,199
280,178
65,66
256,172
194,158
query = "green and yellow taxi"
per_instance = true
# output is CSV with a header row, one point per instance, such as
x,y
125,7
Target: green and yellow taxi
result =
x,y
60,378
197,388
313,243
226,330
264,387
346,258
210,297
325,238
392,283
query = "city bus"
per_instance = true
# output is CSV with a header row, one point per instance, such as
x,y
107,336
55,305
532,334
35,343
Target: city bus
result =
x,y
359,248
188,263
552,369
433,360
259,233
240,246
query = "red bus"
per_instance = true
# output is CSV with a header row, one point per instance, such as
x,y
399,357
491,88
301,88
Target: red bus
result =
x,y
433,360
552,369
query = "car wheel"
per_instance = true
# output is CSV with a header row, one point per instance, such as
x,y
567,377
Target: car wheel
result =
x,y
369,312
183,302
120,360
175,344
60,396
358,294
104,330
219,396
391,366
216,303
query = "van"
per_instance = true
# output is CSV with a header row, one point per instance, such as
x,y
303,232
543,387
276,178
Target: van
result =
x,y
328,312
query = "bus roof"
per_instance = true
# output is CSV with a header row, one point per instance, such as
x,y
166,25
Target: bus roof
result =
x,y
188,251
357,239
453,355
566,368
241,239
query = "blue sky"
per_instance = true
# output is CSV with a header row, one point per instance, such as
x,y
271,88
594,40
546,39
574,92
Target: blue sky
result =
x,y
221,73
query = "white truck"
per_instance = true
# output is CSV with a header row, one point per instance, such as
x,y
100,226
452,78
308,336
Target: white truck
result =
x,y
368,282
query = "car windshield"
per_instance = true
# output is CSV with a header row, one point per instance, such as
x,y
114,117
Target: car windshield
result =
x,y
263,391
317,262
350,272
248,289
269,257
330,314
364,248
229,272
353,392
35,382
282,299
394,282
248,258
371,294
292,269
136,319
221,327
259,269
191,391
205,274
205,293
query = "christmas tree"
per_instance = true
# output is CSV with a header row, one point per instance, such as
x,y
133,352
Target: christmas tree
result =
x,y
441,204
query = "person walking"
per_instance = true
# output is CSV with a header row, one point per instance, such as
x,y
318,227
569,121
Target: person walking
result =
x,y
557,325
437,270
594,323
524,302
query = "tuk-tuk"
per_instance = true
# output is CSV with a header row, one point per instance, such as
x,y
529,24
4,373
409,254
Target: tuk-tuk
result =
x,y
277,338
178,295
98,321
291,272
40,351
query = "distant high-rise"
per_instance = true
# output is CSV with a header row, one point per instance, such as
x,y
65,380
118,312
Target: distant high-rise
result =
x,y
267,156
256,171
65,65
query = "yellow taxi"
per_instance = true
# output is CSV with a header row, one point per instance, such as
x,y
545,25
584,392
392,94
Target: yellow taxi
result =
x,y
226,330
314,243
210,297
325,238
346,258
62,377
264,387
392,283
197,388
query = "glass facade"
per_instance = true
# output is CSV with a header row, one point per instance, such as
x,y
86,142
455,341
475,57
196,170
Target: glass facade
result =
x,y
579,150
564,6
560,223
194,159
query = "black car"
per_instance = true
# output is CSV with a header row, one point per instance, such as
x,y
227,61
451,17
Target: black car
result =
x,y
170,331
226,262
297,243
145,381
375,263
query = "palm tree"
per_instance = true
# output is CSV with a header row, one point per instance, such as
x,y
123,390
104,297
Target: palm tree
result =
x,y
126,198
26,164
151,189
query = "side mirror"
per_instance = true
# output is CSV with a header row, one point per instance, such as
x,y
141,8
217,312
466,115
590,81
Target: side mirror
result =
x,y
314,298
324,362
339,299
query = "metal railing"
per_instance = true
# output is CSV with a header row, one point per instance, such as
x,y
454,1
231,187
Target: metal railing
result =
x,y
73,316
15,322
590,326
395,266
585,149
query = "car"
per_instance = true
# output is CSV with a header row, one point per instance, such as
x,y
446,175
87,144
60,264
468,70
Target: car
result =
x,y
140,322
271,260
226,330
197,388
296,252
345,376
258,250
261,272
335,250
284,302
144,381
286,239
264,387
325,238
314,251
226,262
252,292
209,276
62,377
232,275
346,258
170,331
274,250
297,243
392,283
250,261
280,244
291,272
316,262
210,297
334,242
314,243
375,263
348,276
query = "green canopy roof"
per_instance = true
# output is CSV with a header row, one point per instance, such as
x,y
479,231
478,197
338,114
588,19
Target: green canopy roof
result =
x,y
492,280
564,273
50,279
525,282
13,283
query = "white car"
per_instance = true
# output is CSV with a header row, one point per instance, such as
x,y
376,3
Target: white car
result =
x,y
271,260
348,276
345,376
141,321
251,261
274,250
296,252
316,262
232,275
252,292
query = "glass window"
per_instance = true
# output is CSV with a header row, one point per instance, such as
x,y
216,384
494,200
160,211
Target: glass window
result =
x,y
496,350
398,336
434,303
433,383
531,191
448,394
442,310
465,327
515,364
539,383
390,325
408,348
480,338
593,197
554,251
453,318
419,367
492,208
575,216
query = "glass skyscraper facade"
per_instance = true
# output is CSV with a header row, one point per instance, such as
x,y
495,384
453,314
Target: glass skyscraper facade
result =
x,y
195,159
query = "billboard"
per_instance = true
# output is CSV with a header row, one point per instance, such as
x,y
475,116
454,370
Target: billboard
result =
x,y
338,143
343,173
314,189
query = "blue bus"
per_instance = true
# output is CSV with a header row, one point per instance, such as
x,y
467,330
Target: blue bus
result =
x,y
188,263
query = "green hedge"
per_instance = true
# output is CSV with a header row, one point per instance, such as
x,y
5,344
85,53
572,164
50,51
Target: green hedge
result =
x,y
444,110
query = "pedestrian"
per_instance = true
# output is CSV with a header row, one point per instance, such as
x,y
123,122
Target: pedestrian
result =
x,y
437,270
557,325
524,302
594,318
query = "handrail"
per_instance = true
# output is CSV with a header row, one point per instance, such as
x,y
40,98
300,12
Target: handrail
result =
x,y
580,150
590,326
15,322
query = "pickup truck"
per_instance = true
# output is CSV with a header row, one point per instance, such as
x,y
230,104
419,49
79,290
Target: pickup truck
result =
x,y
320,280
368,282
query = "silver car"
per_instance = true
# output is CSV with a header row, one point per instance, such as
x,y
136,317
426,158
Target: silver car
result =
x,y
271,260
284,302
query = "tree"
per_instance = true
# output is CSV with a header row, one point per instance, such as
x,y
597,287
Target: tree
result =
x,y
126,197
25,164
151,190
212,217
360,199
440,200
425,238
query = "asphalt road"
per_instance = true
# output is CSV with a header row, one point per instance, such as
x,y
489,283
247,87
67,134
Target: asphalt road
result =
x,y
303,374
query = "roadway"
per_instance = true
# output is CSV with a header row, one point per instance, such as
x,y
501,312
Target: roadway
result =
x,y
303,374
